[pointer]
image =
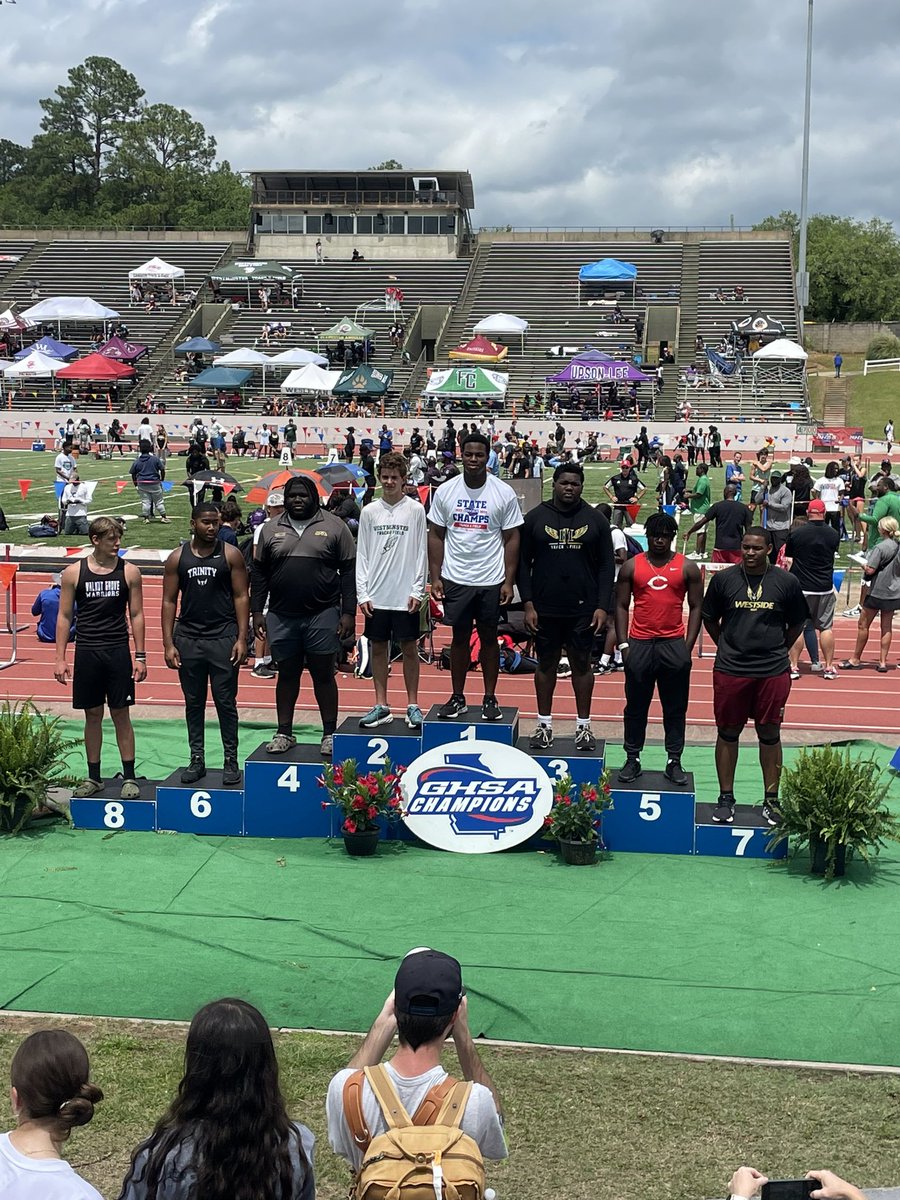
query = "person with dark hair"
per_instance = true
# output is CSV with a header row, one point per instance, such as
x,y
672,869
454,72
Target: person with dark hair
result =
x,y
657,650
51,1095
565,577
303,566
800,482
427,1004
754,613
473,551
778,504
103,588
624,489
226,1135
209,641
731,518
230,523
812,547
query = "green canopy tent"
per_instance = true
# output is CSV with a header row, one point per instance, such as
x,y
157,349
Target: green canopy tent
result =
x,y
467,383
346,330
363,381
256,273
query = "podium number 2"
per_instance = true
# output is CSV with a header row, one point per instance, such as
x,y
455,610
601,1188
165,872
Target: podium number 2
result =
x,y
200,804
744,836
379,747
113,815
650,807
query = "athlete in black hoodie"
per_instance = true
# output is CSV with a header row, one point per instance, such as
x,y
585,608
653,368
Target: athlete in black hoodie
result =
x,y
565,579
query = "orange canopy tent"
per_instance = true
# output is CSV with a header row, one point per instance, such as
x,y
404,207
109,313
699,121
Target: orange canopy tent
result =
x,y
480,349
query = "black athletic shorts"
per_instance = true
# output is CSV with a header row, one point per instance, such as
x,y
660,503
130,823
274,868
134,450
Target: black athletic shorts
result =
x,y
391,625
102,675
556,633
295,637
463,605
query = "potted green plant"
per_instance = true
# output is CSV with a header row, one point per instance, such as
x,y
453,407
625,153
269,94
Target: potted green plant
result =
x,y
574,820
834,801
32,760
362,800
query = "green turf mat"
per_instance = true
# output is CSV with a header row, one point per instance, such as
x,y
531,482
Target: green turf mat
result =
x,y
660,952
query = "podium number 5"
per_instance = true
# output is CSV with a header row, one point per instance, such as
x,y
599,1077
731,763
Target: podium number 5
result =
x,y
745,836
650,808
200,804
379,747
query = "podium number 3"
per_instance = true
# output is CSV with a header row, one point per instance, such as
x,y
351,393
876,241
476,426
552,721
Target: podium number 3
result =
x,y
559,766
200,804
379,748
650,808
113,815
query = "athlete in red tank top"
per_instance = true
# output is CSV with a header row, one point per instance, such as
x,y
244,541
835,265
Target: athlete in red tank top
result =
x,y
657,653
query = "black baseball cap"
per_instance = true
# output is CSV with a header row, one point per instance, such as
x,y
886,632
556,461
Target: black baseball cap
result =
x,y
428,984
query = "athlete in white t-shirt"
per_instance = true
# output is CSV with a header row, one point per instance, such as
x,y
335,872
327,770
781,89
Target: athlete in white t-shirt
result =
x,y
473,553
391,572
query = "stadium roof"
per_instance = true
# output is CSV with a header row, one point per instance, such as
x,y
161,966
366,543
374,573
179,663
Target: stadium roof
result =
x,y
281,179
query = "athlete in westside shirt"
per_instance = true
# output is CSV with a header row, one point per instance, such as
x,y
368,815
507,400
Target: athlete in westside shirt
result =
x,y
566,568
473,552
391,572
754,613
657,651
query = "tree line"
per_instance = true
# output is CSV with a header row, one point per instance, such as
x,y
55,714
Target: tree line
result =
x,y
854,266
104,156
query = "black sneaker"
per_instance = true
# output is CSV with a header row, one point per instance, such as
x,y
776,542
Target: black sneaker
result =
x,y
675,773
455,707
771,813
723,813
231,773
195,770
631,770
490,709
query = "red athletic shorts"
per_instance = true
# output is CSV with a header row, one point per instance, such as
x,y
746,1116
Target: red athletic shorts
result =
x,y
738,699
729,556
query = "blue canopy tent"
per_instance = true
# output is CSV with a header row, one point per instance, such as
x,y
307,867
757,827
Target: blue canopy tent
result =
x,y
608,270
49,346
197,345
220,377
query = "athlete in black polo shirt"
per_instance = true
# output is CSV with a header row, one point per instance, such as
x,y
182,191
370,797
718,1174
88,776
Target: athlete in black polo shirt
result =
x,y
754,613
624,489
209,642
104,589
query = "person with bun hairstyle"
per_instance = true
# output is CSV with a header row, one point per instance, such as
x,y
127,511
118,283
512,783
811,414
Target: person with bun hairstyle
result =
x,y
51,1094
226,1135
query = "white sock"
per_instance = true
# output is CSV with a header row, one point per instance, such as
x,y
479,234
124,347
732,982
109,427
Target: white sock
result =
x,y
582,722
264,662
618,656
548,721
604,660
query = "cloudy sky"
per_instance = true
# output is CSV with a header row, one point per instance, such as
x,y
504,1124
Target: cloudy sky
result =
x,y
579,112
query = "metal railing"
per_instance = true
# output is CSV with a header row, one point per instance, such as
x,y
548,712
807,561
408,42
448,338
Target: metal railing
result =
x,y
352,199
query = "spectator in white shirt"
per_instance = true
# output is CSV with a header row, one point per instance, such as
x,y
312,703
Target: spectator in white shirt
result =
x,y
76,496
830,488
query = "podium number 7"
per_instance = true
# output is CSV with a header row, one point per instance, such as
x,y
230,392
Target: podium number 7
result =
x,y
744,837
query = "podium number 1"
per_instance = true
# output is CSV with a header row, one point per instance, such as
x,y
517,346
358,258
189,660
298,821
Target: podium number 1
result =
x,y
468,734
650,808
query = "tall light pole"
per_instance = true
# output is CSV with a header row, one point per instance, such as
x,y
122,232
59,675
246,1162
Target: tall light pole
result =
x,y
802,273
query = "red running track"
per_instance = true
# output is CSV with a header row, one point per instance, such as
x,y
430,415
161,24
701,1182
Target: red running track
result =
x,y
861,702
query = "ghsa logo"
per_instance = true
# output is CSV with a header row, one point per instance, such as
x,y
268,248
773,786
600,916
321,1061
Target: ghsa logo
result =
x,y
481,799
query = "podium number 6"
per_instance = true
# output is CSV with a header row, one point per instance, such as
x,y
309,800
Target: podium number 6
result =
x,y
379,747
650,808
200,804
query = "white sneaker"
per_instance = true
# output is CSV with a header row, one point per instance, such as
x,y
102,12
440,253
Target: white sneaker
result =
x,y
817,668
696,557
852,612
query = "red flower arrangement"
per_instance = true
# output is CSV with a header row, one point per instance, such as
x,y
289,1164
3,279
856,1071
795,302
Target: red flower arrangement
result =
x,y
362,799
577,819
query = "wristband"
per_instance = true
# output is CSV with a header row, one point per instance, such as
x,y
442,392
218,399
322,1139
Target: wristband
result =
x,y
623,645
140,655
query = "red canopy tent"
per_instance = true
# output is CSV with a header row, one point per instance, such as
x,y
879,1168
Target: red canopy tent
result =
x,y
96,368
480,349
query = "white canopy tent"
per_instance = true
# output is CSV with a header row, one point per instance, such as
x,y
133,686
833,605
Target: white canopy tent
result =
x,y
244,356
35,366
156,269
783,361
11,320
503,324
782,348
310,378
68,308
288,359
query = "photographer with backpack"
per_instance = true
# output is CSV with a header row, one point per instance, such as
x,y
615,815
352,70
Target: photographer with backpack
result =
x,y
377,1113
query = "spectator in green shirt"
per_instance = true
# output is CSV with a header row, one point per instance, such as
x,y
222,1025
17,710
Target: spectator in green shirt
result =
x,y
887,504
699,501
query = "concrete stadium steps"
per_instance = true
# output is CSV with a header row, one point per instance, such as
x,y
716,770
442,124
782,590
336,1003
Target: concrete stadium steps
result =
x,y
20,250
100,270
332,291
539,282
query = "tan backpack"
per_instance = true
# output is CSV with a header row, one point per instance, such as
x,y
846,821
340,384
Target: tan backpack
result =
x,y
425,1157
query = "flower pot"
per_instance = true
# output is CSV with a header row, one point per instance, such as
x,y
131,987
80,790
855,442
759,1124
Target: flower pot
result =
x,y
818,857
362,844
578,854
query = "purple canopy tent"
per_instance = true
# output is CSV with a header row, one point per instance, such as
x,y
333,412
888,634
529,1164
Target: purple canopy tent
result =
x,y
588,369
121,351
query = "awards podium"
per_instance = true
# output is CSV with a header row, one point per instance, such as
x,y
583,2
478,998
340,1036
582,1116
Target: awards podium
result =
x,y
280,795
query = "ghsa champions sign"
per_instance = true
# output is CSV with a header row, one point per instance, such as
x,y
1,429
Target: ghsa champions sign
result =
x,y
476,798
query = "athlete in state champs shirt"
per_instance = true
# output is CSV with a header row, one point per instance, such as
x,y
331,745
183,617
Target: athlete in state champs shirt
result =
x,y
475,519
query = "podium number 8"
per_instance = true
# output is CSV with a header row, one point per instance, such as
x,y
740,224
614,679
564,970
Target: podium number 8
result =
x,y
379,747
113,815
650,808
200,804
